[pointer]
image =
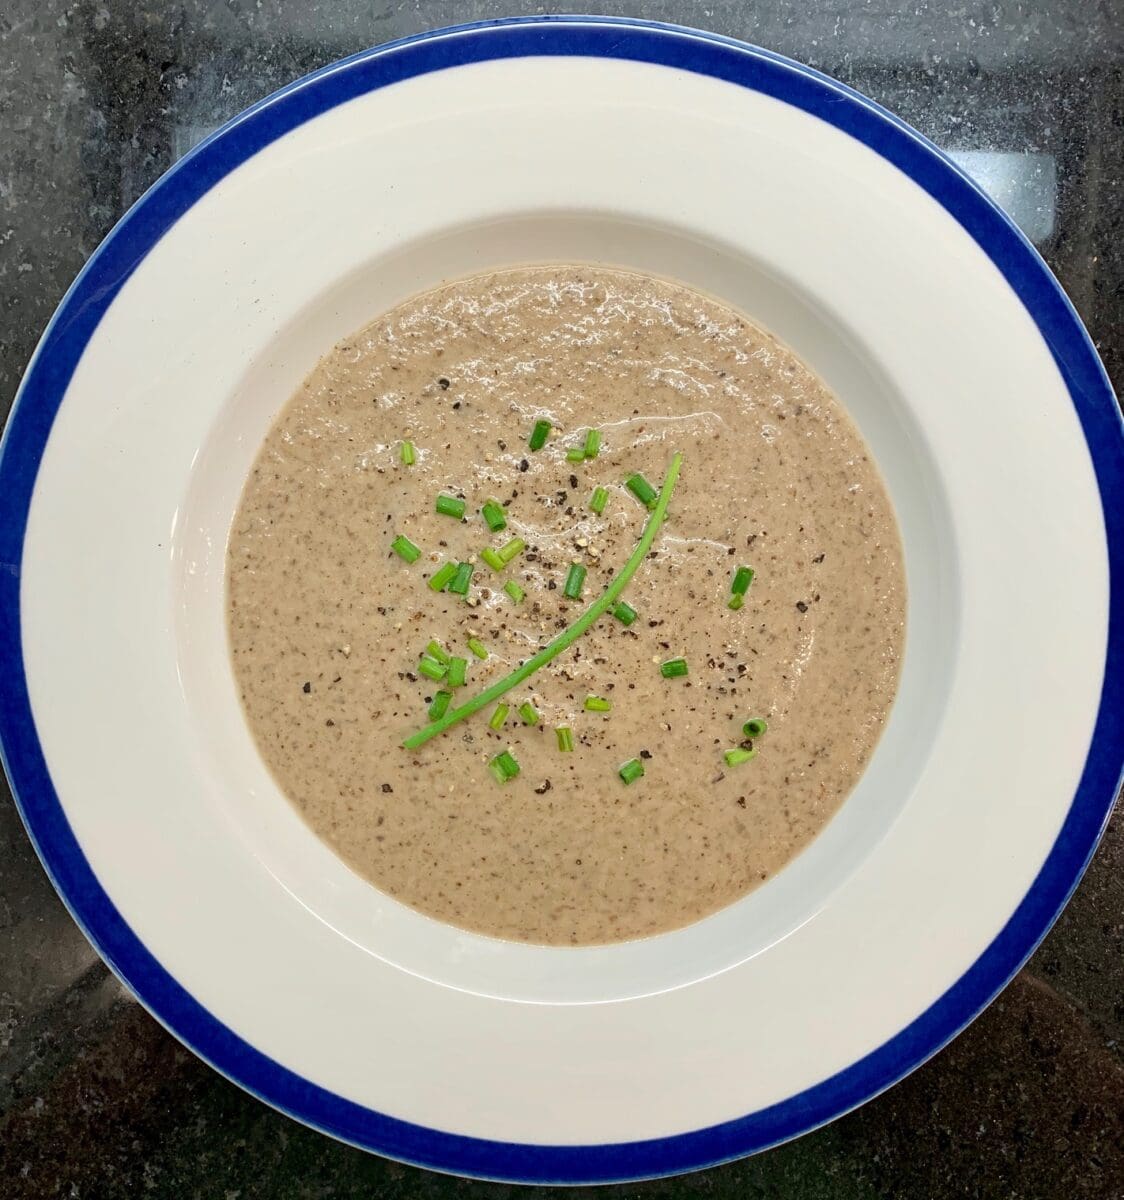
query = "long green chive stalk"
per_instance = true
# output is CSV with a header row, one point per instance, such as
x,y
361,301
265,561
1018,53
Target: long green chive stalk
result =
x,y
568,636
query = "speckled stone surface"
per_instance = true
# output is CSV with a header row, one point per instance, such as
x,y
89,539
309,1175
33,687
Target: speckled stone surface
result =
x,y
96,99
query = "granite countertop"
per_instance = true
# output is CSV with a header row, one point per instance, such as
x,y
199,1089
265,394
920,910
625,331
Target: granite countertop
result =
x,y
97,98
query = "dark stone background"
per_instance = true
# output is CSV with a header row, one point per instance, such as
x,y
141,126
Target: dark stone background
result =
x,y
96,1100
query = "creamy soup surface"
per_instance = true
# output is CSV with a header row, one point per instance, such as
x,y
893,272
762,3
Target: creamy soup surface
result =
x,y
328,624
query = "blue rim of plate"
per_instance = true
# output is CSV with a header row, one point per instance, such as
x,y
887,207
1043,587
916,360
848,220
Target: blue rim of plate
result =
x,y
42,392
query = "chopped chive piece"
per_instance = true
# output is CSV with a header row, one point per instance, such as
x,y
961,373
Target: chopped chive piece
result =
x,y
478,648
437,651
575,454
462,579
408,454
529,713
498,717
575,579
439,706
514,591
673,668
450,506
624,613
458,672
737,756
642,490
599,499
492,559
597,704
510,550
735,602
743,577
539,435
494,516
592,443
755,727
569,635
565,738
404,548
504,767
631,771
442,577
431,668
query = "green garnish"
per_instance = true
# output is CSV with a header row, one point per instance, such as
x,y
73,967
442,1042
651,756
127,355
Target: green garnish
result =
x,y
624,613
575,454
458,672
575,579
514,591
674,668
404,548
450,506
592,443
539,435
431,668
408,454
597,704
504,767
492,559
437,651
755,727
498,717
510,550
565,738
461,579
568,636
599,499
442,577
439,706
743,577
737,756
494,516
477,647
642,490
631,771
529,713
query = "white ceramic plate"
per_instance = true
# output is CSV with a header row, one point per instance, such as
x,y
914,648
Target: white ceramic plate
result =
x,y
676,152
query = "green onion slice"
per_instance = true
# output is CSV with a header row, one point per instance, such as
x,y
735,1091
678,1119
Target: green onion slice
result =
x,y
642,490
565,738
504,767
514,591
755,727
737,756
408,454
461,580
439,705
442,577
528,713
624,613
494,516
539,435
631,771
450,506
575,579
674,668
431,668
478,648
597,704
404,548
498,717
592,443
512,549
599,499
